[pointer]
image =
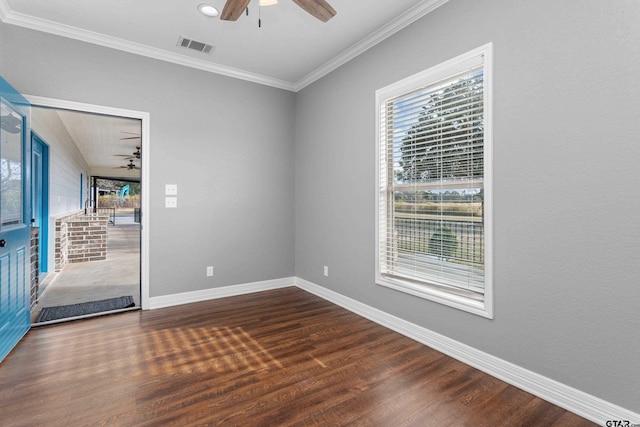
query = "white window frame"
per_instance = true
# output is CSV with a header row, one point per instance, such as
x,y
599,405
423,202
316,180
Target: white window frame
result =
x,y
479,304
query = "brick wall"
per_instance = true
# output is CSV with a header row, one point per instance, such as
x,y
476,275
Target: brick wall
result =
x,y
61,240
87,239
35,266
80,238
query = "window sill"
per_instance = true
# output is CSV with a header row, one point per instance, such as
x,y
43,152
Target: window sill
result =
x,y
482,307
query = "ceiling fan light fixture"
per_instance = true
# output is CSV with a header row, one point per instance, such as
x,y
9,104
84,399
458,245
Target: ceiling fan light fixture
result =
x,y
208,10
267,2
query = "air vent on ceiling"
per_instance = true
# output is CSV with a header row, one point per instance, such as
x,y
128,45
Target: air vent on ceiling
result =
x,y
195,45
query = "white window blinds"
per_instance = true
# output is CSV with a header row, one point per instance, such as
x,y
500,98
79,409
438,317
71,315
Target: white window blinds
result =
x,y
431,213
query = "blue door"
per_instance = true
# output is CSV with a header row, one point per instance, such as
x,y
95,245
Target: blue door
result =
x,y
15,213
40,200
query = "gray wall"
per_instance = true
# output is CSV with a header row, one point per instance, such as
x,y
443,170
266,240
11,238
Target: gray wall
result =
x,y
566,152
566,178
226,143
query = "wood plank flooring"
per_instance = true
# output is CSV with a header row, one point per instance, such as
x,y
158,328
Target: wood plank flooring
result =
x,y
275,358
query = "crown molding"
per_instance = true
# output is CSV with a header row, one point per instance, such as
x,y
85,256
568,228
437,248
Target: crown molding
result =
x,y
403,21
10,17
14,18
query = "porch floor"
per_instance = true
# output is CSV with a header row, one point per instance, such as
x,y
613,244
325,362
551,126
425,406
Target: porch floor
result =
x,y
118,275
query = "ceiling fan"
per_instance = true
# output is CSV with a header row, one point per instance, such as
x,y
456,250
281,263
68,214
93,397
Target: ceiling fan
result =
x,y
318,8
129,166
135,136
136,155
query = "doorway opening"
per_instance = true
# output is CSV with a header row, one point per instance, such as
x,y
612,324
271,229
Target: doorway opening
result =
x,y
96,224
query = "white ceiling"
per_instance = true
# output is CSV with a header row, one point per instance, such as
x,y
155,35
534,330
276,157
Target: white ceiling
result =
x,y
291,49
106,143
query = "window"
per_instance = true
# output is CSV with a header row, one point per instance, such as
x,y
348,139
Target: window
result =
x,y
11,165
434,183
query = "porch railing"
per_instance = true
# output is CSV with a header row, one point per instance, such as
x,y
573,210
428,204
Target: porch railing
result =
x,y
463,240
110,212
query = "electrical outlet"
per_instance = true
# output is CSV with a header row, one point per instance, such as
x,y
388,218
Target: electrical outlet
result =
x,y
210,271
326,271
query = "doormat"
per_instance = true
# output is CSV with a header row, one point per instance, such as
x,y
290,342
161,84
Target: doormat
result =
x,y
74,310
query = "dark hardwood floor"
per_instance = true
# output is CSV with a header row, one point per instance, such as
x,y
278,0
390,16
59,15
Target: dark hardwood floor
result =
x,y
282,357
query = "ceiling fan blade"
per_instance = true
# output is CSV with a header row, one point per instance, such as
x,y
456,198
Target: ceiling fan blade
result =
x,y
233,9
318,8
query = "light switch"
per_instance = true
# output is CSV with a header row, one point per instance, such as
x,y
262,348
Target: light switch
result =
x,y
170,202
171,190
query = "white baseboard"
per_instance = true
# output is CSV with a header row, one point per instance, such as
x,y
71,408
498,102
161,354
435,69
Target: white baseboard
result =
x,y
222,292
571,399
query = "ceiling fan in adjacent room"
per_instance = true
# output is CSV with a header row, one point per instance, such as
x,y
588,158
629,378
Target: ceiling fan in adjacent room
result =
x,y
134,135
318,8
129,166
135,155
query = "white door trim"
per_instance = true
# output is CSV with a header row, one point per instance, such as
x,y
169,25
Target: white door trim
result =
x,y
144,117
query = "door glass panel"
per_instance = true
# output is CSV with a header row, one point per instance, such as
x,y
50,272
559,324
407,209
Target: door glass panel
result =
x,y
10,165
36,192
